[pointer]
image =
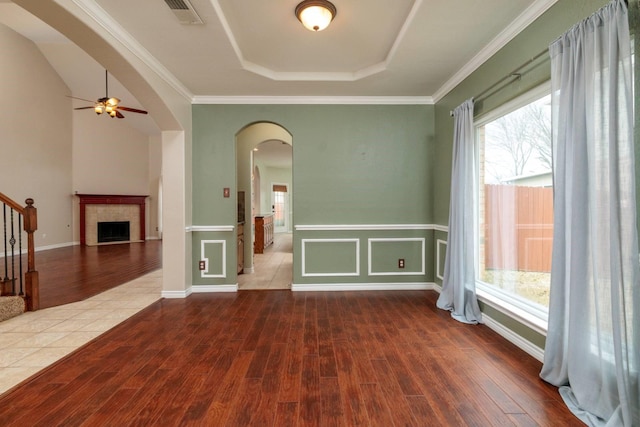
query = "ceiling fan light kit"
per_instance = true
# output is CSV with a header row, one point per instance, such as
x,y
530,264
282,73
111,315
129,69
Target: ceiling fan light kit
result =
x,y
109,105
316,15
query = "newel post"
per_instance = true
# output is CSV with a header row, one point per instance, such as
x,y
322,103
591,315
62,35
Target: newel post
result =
x,y
32,289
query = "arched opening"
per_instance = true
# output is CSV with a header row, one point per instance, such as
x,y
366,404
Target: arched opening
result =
x,y
264,165
171,113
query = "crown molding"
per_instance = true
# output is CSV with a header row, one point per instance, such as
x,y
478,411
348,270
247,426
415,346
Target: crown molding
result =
x,y
112,27
532,13
315,100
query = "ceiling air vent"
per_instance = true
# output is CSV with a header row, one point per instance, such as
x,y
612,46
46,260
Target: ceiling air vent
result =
x,y
183,10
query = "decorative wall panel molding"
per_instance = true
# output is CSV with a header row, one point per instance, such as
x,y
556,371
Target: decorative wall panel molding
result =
x,y
223,261
305,269
396,272
439,255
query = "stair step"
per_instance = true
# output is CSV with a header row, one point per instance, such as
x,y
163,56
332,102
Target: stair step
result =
x,y
11,306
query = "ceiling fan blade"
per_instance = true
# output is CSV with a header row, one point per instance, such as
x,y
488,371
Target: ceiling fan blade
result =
x,y
81,99
106,104
133,110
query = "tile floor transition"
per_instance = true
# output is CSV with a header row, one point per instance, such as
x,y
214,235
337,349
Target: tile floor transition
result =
x,y
35,340
274,268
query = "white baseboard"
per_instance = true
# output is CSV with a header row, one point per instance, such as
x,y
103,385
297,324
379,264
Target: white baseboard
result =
x,y
176,294
56,246
200,289
402,286
44,248
515,339
205,289
525,345
64,245
248,270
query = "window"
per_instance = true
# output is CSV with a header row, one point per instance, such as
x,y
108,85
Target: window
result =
x,y
515,203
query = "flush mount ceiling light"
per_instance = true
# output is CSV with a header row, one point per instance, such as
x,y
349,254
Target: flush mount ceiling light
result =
x,y
316,15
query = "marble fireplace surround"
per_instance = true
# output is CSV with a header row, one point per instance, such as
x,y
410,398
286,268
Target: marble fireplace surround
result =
x,y
96,208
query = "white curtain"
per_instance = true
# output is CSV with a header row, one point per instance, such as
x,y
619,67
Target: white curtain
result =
x,y
593,342
458,287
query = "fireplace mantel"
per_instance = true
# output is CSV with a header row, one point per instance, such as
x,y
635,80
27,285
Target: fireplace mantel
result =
x,y
110,199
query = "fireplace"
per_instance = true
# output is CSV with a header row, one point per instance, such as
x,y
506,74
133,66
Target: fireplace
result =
x,y
106,208
113,231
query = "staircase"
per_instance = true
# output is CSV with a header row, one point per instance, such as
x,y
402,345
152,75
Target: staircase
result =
x,y
18,288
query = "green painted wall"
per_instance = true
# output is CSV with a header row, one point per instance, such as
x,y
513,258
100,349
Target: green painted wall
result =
x,y
369,164
384,257
530,42
352,164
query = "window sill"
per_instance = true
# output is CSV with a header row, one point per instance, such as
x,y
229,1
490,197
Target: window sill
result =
x,y
518,312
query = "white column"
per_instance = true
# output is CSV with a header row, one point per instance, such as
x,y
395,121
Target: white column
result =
x,y
176,242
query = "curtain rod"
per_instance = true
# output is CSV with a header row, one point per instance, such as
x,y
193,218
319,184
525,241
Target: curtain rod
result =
x,y
514,75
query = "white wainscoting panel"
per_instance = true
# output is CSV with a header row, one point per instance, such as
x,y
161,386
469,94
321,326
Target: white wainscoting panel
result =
x,y
356,269
205,273
439,255
421,272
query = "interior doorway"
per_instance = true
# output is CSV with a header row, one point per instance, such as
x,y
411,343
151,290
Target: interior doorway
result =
x,y
264,159
280,207
273,267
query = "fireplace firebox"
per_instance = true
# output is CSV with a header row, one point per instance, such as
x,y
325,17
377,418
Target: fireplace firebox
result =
x,y
113,231
96,208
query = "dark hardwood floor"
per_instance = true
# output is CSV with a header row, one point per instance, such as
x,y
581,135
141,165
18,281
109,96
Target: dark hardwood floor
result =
x,y
281,358
75,273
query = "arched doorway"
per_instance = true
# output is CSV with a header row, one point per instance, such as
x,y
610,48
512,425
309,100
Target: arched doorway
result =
x,y
171,113
264,165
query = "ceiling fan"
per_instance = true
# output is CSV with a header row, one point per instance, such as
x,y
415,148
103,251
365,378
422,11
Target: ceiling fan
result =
x,y
108,105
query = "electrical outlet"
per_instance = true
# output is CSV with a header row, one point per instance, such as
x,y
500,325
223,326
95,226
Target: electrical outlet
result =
x,y
201,265
401,263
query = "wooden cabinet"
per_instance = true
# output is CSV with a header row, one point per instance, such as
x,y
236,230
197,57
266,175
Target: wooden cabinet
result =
x,y
264,233
240,248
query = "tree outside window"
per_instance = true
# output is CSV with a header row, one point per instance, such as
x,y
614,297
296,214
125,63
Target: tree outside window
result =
x,y
516,202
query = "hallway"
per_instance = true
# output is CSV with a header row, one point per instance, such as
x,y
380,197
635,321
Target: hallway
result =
x,y
274,268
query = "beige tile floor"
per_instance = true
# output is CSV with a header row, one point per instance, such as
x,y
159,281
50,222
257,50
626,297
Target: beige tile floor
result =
x,y
274,268
35,340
